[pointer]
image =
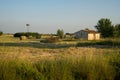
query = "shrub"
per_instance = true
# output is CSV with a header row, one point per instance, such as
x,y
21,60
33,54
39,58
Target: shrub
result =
x,y
105,42
109,43
86,44
53,39
19,34
50,40
60,33
33,34
1,33
27,34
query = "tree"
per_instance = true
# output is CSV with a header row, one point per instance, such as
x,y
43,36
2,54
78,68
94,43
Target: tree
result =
x,y
87,29
105,27
1,33
117,30
60,33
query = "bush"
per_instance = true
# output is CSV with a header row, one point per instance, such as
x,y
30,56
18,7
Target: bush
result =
x,y
85,44
19,34
105,42
60,33
109,43
50,40
1,33
27,34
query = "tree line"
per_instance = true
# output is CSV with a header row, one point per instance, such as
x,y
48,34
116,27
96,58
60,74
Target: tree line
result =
x,y
104,26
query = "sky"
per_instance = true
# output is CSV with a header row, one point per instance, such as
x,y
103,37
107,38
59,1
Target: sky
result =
x,y
46,16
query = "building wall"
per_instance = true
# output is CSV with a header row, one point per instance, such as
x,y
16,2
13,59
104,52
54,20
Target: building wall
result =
x,y
97,36
93,36
81,34
89,36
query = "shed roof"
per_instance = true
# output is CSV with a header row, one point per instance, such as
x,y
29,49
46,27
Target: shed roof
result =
x,y
90,31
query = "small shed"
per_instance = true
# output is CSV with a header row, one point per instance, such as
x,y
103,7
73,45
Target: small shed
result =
x,y
87,34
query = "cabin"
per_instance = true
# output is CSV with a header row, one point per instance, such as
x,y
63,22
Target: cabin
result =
x,y
87,34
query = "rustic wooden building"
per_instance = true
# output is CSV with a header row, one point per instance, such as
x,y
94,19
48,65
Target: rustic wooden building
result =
x,y
87,34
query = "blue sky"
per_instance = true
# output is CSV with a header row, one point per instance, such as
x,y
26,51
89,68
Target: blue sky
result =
x,y
46,16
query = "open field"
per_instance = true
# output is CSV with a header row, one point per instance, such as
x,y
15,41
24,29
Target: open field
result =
x,y
32,60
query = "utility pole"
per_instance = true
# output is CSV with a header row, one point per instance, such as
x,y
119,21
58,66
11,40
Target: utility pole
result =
x,y
27,25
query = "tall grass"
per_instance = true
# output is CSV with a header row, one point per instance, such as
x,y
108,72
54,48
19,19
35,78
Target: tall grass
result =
x,y
98,67
29,61
17,70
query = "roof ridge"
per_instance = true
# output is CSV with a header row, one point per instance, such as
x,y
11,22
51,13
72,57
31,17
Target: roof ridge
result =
x,y
91,31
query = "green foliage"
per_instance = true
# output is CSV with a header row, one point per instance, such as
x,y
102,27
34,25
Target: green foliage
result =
x,y
27,71
112,43
16,70
60,33
109,43
19,34
27,34
115,61
93,70
1,33
85,44
99,68
105,27
117,30
54,69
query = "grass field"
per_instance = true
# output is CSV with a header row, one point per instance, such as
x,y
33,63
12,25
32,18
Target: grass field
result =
x,y
32,60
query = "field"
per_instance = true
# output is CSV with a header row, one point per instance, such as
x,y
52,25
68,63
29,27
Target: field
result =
x,y
32,60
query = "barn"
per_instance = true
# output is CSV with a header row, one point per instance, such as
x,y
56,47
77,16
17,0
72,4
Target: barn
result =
x,y
87,34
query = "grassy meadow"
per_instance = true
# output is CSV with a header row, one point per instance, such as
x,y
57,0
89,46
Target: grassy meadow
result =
x,y
66,60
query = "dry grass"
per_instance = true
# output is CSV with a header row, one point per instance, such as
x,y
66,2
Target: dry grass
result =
x,y
58,64
32,60
33,50
35,54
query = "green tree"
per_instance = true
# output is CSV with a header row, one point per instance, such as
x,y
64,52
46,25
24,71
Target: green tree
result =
x,y
105,27
1,33
60,33
117,30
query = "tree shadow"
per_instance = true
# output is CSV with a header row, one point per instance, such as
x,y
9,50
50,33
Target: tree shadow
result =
x,y
36,45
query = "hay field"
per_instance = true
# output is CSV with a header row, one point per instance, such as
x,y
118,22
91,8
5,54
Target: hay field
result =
x,y
32,60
